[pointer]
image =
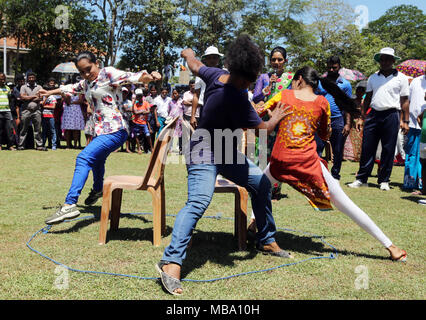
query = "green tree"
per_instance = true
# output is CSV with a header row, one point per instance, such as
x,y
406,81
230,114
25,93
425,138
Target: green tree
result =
x,y
155,31
403,28
115,16
53,36
212,23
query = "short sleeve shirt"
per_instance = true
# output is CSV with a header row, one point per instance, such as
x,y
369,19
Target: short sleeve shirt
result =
x,y
30,91
387,91
225,107
200,85
417,100
345,86
4,98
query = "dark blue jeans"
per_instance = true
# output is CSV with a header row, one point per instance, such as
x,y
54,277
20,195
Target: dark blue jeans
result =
x,y
49,131
201,183
379,126
337,141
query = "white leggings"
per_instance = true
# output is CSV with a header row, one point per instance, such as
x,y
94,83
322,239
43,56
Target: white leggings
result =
x,y
342,202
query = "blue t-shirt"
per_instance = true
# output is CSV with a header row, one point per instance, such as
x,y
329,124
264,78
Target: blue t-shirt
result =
x,y
345,86
225,108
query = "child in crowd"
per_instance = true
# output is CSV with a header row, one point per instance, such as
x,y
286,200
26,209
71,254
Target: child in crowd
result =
x,y
140,110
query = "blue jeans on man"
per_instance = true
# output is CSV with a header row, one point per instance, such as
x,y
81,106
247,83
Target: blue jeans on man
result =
x,y
379,126
337,141
201,184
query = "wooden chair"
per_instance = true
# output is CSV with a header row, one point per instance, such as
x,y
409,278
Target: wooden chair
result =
x,y
152,181
223,185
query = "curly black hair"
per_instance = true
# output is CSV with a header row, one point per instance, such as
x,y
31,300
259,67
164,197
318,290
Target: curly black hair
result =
x,y
244,58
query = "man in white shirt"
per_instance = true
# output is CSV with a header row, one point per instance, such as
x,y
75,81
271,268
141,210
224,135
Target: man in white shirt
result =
x,y
162,102
187,99
413,167
210,58
387,95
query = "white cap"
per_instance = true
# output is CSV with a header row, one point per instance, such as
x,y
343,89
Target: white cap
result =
x,y
138,91
386,51
212,50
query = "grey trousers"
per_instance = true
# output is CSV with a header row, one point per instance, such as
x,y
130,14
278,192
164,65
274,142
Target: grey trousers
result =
x,y
34,118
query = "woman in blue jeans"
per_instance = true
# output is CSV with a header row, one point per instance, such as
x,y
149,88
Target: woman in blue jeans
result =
x,y
226,111
102,90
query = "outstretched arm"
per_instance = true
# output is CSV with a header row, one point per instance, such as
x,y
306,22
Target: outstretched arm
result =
x,y
280,112
193,63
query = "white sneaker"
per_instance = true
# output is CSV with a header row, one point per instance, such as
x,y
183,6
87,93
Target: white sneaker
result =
x,y
384,186
422,201
357,184
63,213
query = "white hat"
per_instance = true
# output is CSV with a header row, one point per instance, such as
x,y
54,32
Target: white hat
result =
x,y
386,51
212,50
138,91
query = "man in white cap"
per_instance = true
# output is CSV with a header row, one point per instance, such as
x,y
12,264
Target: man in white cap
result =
x,y
387,95
210,58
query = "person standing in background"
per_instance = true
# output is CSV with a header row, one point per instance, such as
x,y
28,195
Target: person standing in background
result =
x,y
31,112
5,113
162,103
413,166
387,95
210,58
340,121
48,120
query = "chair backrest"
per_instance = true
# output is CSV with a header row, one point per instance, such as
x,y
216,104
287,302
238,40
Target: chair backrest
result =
x,y
155,171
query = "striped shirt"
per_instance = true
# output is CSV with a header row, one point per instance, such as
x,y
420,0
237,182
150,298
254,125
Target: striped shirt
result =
x,y
4,99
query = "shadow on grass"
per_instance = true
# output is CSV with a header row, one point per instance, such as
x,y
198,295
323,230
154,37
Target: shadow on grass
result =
x,y
413,198
215,246
133,234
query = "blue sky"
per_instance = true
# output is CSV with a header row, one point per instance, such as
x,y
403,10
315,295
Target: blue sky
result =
x,y
377,8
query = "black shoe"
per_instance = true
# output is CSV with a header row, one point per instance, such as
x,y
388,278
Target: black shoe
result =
x,y
21,148
41,149
93,197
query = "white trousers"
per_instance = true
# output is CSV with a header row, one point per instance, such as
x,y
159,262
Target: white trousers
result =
x,y
344,204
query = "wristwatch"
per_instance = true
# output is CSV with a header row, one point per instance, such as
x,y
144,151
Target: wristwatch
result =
x,y
406,121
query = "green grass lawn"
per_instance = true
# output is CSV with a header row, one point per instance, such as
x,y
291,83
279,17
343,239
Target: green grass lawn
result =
x,y
32,183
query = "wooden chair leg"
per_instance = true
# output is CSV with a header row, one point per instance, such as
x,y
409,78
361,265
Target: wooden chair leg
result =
x,y
241,198
156,212
163,208
106,204
116,208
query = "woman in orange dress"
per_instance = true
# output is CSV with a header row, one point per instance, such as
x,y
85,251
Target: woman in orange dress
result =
x,y
294,159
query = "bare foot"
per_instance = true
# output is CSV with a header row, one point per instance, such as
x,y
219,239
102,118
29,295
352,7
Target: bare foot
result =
x,y
397,254
173,270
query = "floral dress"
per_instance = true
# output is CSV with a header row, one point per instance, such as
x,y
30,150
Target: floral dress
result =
x,y
294,159
105,96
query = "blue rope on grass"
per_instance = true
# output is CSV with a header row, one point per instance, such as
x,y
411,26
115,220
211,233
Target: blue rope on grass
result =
x,y
46,229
